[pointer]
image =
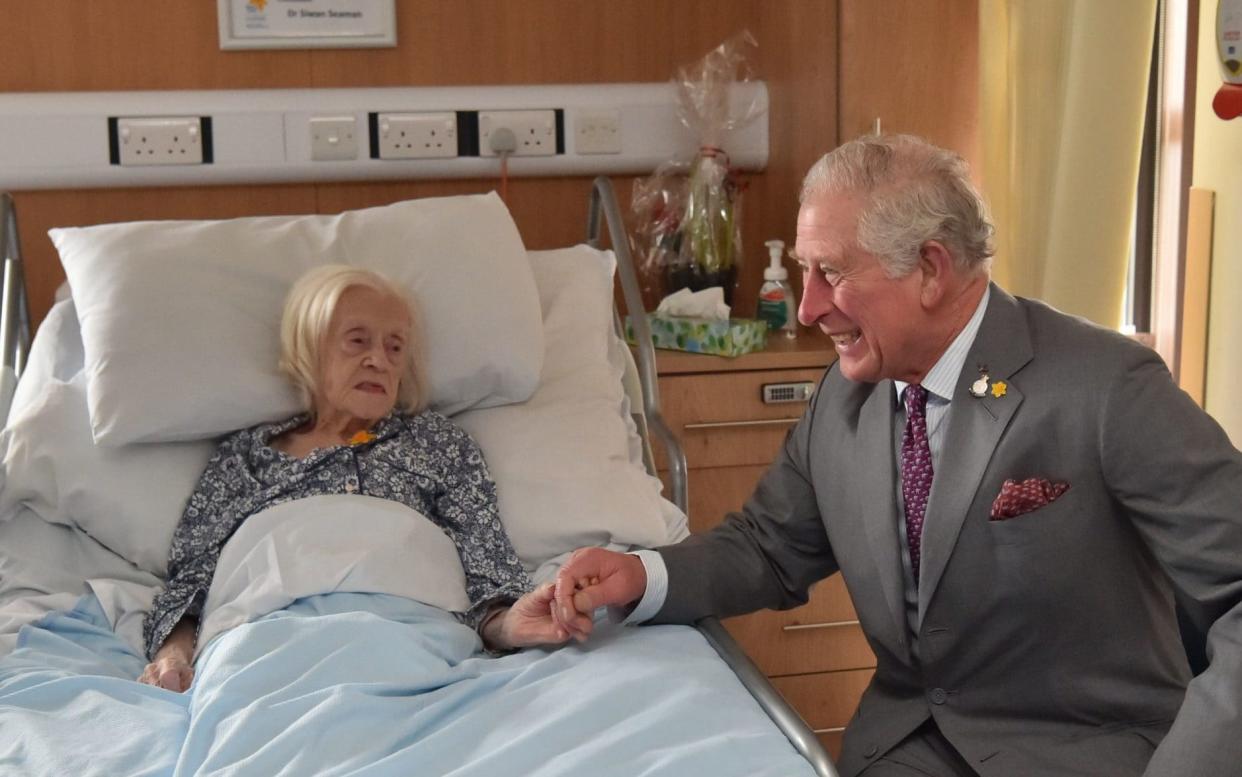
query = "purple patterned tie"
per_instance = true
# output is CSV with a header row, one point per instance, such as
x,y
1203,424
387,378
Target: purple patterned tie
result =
x,y
916,470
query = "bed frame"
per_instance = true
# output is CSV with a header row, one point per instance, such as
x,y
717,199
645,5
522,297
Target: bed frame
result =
x,y
14,309
640,385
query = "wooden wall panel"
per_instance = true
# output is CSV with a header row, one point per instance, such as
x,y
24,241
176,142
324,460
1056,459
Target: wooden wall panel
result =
x,y
914,64
68,45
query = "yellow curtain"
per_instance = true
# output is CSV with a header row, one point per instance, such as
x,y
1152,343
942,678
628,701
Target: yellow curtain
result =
x,y
1063,92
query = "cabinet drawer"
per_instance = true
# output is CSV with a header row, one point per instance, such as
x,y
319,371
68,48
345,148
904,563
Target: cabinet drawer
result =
x,y
722,420
718,491
826,701
821,636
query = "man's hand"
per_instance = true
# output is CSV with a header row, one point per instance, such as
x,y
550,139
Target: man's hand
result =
x,y
594,577
529,622
171,671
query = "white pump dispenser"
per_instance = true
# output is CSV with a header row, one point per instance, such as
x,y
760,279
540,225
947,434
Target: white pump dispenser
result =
x,y
775,271
776,297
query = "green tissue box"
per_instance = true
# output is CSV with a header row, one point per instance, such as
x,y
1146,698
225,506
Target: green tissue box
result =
x,y
733,337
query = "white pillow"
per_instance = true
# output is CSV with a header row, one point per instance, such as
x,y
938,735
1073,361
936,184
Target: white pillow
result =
x,y
55,353
562,460
45,567
129,498
38,558
181,319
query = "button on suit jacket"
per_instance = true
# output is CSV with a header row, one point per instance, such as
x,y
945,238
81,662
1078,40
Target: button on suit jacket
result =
x,y
1047,643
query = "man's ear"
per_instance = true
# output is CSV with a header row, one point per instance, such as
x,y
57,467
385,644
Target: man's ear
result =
x,y
938,272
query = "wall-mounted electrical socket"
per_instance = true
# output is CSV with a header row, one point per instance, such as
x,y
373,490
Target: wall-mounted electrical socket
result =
x,y
535,131
167,140
598,132
333,138
71,140
415,135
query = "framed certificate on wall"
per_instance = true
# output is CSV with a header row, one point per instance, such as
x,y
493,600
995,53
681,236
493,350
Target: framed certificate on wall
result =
x,y
304,24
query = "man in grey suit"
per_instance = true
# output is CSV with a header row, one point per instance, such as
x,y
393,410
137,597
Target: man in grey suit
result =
x,y
1014,497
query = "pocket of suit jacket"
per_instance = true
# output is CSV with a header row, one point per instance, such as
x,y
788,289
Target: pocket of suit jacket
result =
x,y
1047,524
1019,497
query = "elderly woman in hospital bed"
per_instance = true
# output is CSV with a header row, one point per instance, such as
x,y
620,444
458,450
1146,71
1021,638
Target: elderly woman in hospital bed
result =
x,y
350,344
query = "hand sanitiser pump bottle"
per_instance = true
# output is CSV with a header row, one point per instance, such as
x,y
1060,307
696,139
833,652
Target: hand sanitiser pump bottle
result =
x,y
776,297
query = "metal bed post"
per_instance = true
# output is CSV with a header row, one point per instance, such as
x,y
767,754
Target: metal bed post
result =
x,y
14,308
604,199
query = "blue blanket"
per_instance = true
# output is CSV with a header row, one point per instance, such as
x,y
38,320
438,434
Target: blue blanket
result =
x,y
354,684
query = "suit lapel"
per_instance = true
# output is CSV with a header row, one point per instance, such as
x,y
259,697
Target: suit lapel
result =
x,y
975,426
878,500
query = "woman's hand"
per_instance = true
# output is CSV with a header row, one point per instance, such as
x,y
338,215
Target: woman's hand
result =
x,y
527,623
170,671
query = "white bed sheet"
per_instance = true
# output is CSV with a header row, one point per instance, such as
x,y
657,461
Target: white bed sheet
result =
x,y
46,567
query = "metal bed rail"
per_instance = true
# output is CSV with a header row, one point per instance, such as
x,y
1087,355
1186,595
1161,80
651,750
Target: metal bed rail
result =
x,y
14,307
604,201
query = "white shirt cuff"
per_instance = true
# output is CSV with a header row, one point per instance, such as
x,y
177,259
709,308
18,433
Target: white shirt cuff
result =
x,y
653,597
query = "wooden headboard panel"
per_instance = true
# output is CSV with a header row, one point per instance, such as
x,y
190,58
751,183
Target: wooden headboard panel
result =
x,y
69,45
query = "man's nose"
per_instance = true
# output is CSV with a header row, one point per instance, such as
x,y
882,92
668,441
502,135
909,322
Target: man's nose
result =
x,y
816,299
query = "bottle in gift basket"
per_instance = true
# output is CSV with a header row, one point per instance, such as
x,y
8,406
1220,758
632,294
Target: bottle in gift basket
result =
x,y
776,296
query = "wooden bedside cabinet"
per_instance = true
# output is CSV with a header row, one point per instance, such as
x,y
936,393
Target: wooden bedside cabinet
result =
x,y
815,655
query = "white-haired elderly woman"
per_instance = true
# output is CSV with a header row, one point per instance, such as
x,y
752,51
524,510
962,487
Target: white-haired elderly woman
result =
x,y
350,342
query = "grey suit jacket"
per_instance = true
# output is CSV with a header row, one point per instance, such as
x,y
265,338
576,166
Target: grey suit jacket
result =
x,y
1047,642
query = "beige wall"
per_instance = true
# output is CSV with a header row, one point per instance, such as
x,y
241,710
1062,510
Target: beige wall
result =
x,y
1218,166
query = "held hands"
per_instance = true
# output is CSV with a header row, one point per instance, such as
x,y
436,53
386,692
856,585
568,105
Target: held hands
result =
x,y
527,623
170,671
554,612
594,577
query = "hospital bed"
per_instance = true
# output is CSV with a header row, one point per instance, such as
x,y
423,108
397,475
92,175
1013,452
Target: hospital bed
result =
x,y
314,659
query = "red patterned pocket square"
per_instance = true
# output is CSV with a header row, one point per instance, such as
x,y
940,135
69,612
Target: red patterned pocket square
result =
x,y
1021,497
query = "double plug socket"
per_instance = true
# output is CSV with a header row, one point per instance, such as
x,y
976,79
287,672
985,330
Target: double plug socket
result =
x,y
534,132
415,135
160,140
